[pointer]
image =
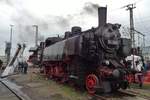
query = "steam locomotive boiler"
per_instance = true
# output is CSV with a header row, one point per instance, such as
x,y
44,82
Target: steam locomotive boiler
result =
x,y
90,58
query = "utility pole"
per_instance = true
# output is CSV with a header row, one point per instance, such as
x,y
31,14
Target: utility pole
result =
x,y
144,41
138,41
9,45
130,7
11,31
36,35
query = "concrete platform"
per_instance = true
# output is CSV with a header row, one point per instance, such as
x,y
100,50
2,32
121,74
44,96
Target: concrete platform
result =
x,y
6,94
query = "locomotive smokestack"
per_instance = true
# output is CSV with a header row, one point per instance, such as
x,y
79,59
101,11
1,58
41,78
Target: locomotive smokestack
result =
x,y
102,16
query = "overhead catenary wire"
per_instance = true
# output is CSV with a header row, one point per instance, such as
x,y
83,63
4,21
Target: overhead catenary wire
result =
x,y
120,8
140,23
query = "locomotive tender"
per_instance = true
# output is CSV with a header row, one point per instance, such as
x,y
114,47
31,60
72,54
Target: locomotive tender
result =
x,y
90,58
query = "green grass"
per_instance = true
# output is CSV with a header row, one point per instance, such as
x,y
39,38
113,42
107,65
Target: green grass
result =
x,y
72,92
143,92
63,89
68,91
145,86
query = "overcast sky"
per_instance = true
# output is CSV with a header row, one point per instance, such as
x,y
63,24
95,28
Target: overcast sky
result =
x,y
57,16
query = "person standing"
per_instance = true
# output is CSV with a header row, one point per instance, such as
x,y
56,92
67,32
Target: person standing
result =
x,y
136,66
25,67
1,64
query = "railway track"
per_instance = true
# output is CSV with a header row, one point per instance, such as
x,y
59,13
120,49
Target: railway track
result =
x,y
13,92
112,96
140,94
10,91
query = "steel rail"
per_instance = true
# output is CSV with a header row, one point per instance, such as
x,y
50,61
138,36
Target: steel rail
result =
x,y
17,95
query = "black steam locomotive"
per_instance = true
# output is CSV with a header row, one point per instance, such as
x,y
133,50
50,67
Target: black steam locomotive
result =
x,y
91,58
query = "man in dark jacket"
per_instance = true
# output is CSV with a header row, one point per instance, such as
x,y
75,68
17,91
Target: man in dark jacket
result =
x,y
25,67
1,64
